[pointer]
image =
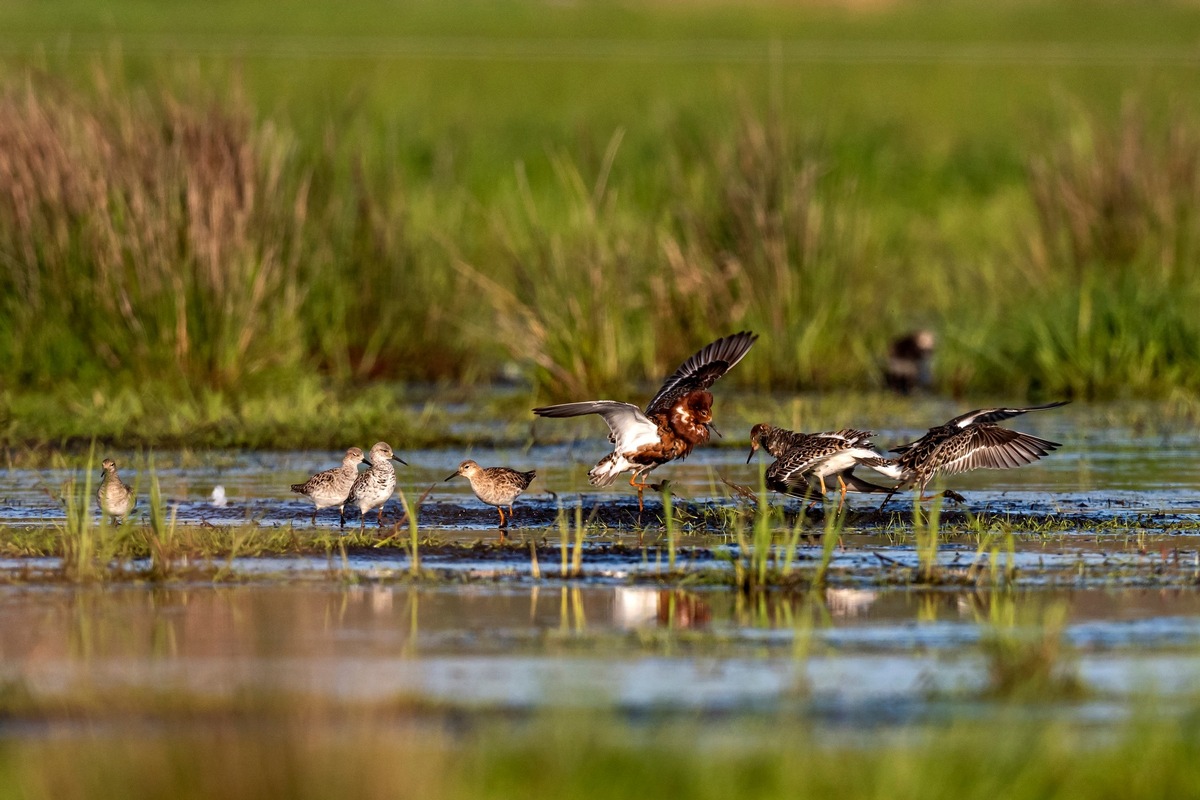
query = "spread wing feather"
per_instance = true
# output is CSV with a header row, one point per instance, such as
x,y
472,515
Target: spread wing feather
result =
x,y
629,428
702,370
993,447
998,414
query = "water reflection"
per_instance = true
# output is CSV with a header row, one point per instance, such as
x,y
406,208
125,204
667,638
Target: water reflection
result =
x,y
640,607
380,640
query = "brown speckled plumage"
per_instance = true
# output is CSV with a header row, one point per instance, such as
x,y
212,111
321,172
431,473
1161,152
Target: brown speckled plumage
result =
x,y
332,487
496,486
969,441
802,456
374,487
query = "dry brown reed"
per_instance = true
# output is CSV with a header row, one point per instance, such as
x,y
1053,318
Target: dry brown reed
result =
x,y
135,233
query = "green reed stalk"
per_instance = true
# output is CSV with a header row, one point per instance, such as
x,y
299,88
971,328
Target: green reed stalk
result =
x,y
926,534
834,523
793,542
79,535
669,521
564,540
763,535
162,536
577,555
414,535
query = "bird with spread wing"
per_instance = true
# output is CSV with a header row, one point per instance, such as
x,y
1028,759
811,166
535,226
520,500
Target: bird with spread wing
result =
x,y
676,420
969,441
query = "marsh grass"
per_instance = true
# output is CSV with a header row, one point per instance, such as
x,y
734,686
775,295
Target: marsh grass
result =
x,y
320,752
831,537
92,545
162,534
926,535
171,240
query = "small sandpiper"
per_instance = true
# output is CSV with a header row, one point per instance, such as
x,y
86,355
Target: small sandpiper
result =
x,y
969,441
496,486
801,456
372,488
332,487
114,497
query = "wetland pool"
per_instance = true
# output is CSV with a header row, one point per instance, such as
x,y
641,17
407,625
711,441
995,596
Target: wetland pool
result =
x,y
1092,555
838,657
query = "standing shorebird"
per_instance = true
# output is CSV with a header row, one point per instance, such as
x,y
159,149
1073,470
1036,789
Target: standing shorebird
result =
x,y
332,487
372,488
967,442
114,497
802,456
676,420
496,486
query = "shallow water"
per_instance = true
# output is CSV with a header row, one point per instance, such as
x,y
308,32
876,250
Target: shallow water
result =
x,y
1122,561
866,654
1101,473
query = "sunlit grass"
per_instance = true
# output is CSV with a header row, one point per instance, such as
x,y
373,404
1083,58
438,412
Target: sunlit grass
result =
x,y
414,222
373,755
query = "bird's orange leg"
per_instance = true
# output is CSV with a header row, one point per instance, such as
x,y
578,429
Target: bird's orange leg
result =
x,y
841,502
821,478
501,512
640,486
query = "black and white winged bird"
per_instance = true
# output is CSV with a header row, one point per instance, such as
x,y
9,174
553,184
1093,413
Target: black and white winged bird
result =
x,y
675,421
970,441
802,456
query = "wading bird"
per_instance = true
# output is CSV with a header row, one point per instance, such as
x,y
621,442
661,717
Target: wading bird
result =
x,y
802,456
675,421
496,486
114,497
373,487
967,442
332,487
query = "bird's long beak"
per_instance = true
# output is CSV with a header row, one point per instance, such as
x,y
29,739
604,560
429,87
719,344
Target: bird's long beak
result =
x,y
455,475
713,428
401,460
753,450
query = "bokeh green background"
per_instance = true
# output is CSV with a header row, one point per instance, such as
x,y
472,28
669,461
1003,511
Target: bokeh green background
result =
x,y
209,206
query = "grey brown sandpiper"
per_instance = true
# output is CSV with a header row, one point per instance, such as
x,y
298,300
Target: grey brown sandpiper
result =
x,y
373,488
114,497
496,486
332,487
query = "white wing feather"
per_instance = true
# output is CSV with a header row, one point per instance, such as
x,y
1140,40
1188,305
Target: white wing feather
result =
x,y
630,428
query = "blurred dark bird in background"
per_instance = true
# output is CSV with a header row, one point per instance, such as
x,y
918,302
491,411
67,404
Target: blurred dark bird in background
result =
x,y
909,363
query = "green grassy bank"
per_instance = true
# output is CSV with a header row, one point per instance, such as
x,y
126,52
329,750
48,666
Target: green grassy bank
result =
x,y
377,755
278,201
